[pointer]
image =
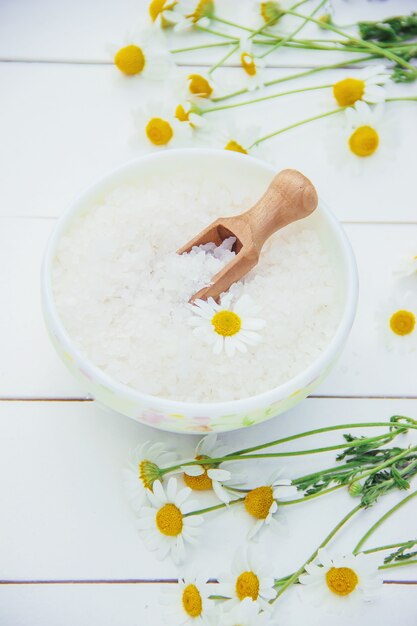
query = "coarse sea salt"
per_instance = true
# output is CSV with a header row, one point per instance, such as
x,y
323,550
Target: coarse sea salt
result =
x,y
122,292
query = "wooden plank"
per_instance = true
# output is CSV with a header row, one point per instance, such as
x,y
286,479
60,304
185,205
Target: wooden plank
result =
x,y
35,31
65,516
78,124
30,368
130,605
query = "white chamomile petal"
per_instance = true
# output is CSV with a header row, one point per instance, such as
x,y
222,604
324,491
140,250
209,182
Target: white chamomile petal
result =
x,y
406,266
340,580
397,323
143,469
158,128
229,330
143,54
187,602
361,86
250,577
169,529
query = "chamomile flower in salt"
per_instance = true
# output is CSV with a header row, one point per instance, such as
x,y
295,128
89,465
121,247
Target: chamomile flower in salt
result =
x,y
251,65
340,581
227,326
143,54
164,526
246,613
367,85
191,13
261,502
187,603
144,469
158,127
206,477
250,577
397,322
363,122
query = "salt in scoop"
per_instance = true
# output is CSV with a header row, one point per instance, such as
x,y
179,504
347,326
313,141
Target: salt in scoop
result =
x,y
289,197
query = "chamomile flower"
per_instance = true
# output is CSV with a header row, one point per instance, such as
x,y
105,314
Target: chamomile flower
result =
x,y
271,12
163,525
260,503
246,613
187,603
227,326
143,54
158,127
340,581
251,65
250,577
144,469
188,14
397,323
366,85
198,88
407,266
207,477
186,112
157,12
363,122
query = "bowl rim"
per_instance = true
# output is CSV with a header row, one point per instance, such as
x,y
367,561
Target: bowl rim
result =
x,y
181,407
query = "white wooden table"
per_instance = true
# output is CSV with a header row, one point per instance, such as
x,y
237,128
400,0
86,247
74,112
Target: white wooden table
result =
x,y
69,550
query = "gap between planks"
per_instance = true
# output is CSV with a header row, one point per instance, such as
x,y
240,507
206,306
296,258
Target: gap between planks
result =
x,y
317,397
139,581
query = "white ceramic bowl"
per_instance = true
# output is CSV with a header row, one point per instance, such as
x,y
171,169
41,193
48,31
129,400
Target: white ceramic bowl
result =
x,y
192,417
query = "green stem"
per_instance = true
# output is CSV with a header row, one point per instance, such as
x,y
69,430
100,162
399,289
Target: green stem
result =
x,y
325,429
363,42
389,546
294,577
223,59
411,98
381,520
255,100
296,31
216,507
214,32
273,455
291,126
294,76
200,47
401,564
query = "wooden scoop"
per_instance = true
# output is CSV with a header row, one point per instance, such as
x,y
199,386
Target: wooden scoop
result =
x,y
289,197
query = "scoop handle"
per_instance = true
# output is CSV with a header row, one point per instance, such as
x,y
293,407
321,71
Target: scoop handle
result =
x,y
289,197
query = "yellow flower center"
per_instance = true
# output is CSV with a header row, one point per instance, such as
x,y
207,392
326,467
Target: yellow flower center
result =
x,y
364,141
205,8
199,483
271,12
226,323
248,63
156,7
402,322
199,86
148,473
130,60
169,520
348,91
247,586
259,501
191,601
159,131
181,114
341,580
235,147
